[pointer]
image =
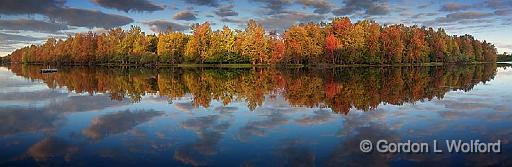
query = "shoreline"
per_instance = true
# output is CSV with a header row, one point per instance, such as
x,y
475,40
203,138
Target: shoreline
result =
x,y
260,65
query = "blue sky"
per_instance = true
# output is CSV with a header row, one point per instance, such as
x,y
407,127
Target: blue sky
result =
x,y
25,22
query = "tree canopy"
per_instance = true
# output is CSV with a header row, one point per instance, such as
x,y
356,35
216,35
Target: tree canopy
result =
x,y
338,42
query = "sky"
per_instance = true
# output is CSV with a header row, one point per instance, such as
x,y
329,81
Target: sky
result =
x,y
26,22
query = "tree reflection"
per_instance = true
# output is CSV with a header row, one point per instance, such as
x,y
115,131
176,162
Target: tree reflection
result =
x,y
339,89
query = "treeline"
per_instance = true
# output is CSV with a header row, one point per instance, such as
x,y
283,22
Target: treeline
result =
x,y
504,57
337,42
4,60
338,89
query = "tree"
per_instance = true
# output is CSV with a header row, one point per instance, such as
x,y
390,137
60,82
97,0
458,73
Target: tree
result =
x,y
171,47
417,46
253,45
314,43
468,53
222,43
478,50
374,44
439,45
341,28
295,44
453,50
199,43
331,44
339,42
392,43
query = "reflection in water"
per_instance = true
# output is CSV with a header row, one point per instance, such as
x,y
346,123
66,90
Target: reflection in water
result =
x,y
49,148
19,120
249,117
294,153
210,130
338,89
260,127
117,122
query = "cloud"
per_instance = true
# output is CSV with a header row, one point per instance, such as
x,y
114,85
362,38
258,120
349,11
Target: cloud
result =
x,y
24,99
424,6
465,19
49,149
284,20
55,10
294,153
451,7
14,120
117,123
187,155
498,4
466,104
209,130
19,115
319,117
9,42
88,18
185,15
84,104
225,110
230,20
502,45
321,6
503,12
274,6
420,15
460,16
162,26
185,107
129,5
261,127
31,25
226,10
369,7
213,3
6,38
19,7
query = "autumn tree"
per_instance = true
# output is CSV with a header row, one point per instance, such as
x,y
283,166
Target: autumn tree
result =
x,y
341,28
276,48
222,46
171,47
338,42
199,43
253,45
468,53
374,54
331,44
295,44
416,47
392,44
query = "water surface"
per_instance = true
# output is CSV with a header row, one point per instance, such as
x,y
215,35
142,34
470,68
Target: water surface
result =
x,y
84,116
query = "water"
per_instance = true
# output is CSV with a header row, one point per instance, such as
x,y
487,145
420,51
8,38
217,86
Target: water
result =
x,y
250,117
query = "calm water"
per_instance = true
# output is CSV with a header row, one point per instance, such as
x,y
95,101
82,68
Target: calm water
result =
x,y
250,117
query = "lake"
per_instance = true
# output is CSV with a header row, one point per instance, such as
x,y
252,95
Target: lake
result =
x,y
84,116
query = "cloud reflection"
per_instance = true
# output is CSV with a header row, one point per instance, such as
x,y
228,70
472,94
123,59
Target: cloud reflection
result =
x,y
260,127
20,120
210,130
118,122
320,116
52,148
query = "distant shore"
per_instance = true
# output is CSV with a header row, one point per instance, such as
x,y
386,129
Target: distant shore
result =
x,y
260,65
